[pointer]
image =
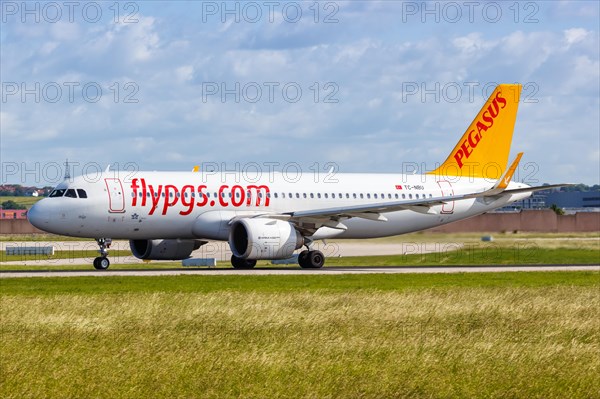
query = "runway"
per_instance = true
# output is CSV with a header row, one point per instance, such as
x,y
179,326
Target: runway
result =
x,y
291,271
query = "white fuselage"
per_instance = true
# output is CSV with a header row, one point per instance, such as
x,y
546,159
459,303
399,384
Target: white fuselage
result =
x,y
195,205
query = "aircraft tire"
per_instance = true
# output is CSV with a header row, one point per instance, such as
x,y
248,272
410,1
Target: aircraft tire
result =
x,y
303,259
239,263
101,263
316,259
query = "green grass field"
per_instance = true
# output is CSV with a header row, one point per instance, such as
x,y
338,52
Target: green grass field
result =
x,y
499,335
26,201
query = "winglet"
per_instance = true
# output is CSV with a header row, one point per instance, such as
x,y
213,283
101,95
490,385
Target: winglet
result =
x,y
507,177
502,183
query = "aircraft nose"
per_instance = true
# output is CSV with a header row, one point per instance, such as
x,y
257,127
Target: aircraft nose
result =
x,y
38,216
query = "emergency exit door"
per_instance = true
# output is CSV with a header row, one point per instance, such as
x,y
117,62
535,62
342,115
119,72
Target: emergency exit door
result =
x,y
447,191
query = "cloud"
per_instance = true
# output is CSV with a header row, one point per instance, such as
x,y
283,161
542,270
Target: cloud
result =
x,y
353,75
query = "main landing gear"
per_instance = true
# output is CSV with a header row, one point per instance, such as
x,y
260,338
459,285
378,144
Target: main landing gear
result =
x,y
308,259
240,263
102,262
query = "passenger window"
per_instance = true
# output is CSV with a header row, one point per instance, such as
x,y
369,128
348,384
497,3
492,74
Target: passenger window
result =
x,y
318,195
354,195
297,195
163,195
403,196
389,196
289,195
171,195
304,195
410,196
325,195
83,194
347,195
273,194
368,196
312,195
396,195
361,196
375,196
430,196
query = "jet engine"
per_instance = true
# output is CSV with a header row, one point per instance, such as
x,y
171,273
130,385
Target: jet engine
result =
x,y
163,249
262,238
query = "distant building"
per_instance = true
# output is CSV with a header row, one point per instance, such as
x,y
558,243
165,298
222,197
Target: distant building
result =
x,y
13,213
574,199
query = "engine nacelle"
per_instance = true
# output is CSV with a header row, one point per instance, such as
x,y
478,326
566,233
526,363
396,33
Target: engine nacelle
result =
x,y
163,249
264,239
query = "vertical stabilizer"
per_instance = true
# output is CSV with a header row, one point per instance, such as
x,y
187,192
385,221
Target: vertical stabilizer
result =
x,y
484,148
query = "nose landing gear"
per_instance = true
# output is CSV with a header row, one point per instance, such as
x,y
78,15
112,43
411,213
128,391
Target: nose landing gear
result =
x,y
102,262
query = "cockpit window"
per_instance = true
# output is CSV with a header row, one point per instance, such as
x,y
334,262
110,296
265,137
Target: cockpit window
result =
x,y
82,193
71,193
57,193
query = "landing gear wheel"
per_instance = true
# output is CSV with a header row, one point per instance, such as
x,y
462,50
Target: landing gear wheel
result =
x,y
311,259
303,259
240,263
101,263
316,259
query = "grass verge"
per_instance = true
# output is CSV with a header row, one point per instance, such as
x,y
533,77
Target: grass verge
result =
x,y
531,335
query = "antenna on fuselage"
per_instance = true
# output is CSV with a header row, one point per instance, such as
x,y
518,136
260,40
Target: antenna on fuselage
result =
x,y
67,170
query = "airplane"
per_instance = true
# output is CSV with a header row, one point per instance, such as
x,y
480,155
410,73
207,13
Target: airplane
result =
x,y
168,215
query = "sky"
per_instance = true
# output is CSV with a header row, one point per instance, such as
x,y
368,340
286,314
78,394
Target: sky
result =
x,y
361,86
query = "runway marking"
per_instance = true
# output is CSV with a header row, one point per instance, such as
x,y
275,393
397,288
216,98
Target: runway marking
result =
x,y
298,271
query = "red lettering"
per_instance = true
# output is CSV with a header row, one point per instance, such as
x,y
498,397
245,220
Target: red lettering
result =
x,y
501,100
487,118
170,193
134,187
187,199
237,196
155,197
260,191
144,192
493,108
222,196
474,140
465,148
458,156
203,195
481,126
